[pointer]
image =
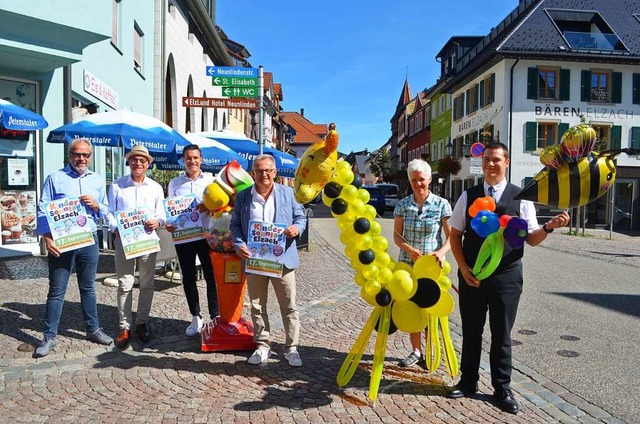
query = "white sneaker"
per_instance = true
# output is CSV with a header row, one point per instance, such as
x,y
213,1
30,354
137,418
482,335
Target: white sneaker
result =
x,y
293,357
259,356
195,327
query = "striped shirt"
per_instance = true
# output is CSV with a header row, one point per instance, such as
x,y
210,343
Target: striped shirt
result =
x,y
422,229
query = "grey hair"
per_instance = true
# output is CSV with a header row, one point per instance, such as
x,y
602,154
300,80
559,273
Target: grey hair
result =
x,y
262,157
418,165
79,140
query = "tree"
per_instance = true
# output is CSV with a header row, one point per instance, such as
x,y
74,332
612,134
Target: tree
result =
x,y
380,164
162,177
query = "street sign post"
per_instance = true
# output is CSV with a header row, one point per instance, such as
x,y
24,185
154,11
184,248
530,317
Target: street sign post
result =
x,y
475,166
477,149
233,103
240,91
234,82
230,71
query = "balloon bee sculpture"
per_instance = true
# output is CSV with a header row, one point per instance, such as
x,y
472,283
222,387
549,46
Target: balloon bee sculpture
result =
x,y
316,167
574,174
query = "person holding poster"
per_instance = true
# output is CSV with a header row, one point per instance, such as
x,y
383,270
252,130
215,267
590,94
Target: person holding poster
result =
x,y
269,203
192,183
74,181
135,191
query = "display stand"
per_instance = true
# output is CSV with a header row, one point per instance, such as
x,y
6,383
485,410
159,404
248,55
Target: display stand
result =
x,y
231,331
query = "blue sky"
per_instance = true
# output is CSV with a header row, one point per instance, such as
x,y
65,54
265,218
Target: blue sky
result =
x,y
346,61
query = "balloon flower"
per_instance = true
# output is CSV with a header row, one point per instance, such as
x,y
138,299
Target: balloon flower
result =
x,y
403,297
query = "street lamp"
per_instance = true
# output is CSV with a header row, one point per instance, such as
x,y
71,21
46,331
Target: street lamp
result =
x,y
449,148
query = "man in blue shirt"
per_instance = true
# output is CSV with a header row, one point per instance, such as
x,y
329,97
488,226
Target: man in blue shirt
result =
x,y
74,180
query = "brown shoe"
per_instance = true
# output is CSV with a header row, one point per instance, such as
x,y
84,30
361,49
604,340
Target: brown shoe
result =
x,y
144,332
122,339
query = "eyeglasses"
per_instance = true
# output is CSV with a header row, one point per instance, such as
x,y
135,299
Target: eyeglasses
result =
x,y
80,155
138,160
263,171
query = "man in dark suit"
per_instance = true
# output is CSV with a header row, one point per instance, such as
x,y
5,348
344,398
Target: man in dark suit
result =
x,y
270,203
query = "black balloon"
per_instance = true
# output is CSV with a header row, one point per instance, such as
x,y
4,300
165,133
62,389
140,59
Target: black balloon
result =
x,y
339,206
366,256
357,181
428,293
392,326
332,189
383,298
361,225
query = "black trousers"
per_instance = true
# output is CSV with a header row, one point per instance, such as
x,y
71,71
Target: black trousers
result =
x,y
187,257
500,295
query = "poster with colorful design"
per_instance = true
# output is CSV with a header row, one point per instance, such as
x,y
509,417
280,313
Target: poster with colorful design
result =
x,y
182,214
68,223
266,244
136,240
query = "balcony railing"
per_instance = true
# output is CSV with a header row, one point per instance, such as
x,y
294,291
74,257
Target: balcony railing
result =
x,y
591,40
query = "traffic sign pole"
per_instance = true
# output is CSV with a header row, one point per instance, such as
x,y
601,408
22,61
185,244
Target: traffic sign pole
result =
x,y
260,117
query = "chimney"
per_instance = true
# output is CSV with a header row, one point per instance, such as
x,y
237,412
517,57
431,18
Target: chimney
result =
x,y
302,111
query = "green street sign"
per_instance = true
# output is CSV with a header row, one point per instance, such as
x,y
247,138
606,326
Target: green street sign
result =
x,y
239,92
234,82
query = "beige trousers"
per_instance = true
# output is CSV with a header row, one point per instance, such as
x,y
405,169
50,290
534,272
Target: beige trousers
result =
x,y
146,276
285,290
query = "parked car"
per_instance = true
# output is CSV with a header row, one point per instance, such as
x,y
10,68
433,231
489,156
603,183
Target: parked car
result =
x,y
377,199
390,195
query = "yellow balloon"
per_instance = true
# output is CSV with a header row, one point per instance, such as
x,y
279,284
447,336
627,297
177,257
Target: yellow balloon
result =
x,y
379,244
444,306
403,266
343,165
345,177
427,267
409,317
370,271
382,259
364,195
446,267
356,264
363,241
357,206
350,250
359,279
370,212
327,200
371,300
372,287
349,193
375,228
384,275
444,282
401,286
346,238
215,197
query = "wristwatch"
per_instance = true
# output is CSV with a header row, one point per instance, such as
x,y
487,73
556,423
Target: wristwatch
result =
x,y
547,230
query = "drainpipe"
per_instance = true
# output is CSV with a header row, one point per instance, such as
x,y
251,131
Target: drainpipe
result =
x,y
511,113
163,65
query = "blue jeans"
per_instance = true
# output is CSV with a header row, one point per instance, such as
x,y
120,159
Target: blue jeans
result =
x,y
85,261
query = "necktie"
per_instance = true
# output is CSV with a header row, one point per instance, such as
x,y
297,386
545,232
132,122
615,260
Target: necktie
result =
x,y
492,193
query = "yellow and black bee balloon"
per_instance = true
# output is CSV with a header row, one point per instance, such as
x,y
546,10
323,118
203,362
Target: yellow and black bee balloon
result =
x,y
574,175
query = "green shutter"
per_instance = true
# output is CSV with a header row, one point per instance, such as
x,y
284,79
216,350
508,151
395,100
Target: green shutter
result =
x,y
455,108
467,103
492,98
616,87
481,91
565,82
636,89
635,138
531,136
585,86
532,83
616,136
562,128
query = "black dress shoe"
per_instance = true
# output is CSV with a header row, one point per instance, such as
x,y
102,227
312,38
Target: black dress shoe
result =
x,y
461,390
412,359
144,332
506,401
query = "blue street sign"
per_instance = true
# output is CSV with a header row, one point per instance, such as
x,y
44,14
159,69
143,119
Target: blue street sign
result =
x,y
230,71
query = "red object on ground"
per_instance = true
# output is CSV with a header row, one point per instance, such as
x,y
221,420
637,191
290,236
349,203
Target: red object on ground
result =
x,y
231,331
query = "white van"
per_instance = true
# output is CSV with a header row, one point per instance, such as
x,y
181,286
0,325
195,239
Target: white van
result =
x,y
390,195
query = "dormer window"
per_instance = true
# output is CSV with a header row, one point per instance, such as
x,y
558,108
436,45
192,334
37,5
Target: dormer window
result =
x,y
585,30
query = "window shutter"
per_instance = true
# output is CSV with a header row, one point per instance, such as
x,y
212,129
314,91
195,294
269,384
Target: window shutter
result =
x,y
585,86
635,138
636,89
455,108
616,87
527,180
481,95
565,82
531,136
532,83
467,103
562,128
616,136
492,98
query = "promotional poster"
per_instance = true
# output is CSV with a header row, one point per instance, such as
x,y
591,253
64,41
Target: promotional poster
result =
x,y
182,214
68,223
266,244
136,240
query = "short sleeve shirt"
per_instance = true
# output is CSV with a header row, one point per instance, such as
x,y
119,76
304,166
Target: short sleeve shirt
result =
x,y
422,228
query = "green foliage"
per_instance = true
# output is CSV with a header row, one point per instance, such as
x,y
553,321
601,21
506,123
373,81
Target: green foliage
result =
x,y
448,166
380,164
162,177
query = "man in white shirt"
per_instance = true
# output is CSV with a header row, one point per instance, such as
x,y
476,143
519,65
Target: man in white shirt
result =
x,y
130,191
194,181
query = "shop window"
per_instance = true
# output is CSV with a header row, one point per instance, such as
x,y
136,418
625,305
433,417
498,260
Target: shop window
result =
x,y
601,86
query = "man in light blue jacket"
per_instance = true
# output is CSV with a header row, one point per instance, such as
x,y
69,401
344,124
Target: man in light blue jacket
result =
x,y
271,203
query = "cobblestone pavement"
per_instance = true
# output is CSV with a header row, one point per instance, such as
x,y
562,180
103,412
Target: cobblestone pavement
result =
x,y
170,380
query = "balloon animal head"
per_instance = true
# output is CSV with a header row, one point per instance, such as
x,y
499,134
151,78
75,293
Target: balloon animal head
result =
x,y
219,196
316,167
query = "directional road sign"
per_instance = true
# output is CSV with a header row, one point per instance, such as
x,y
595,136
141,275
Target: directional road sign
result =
x,y
240,91
220,103
235,81
229,71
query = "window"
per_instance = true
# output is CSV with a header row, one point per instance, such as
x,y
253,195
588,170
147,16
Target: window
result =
x,y
609,136
636,89
458,107
472,99
547,134
585,30
601,86
539,135
116,23
548,83
138,45
487,90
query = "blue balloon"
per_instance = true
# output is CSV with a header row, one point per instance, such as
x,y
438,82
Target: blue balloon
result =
x,y
485,223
